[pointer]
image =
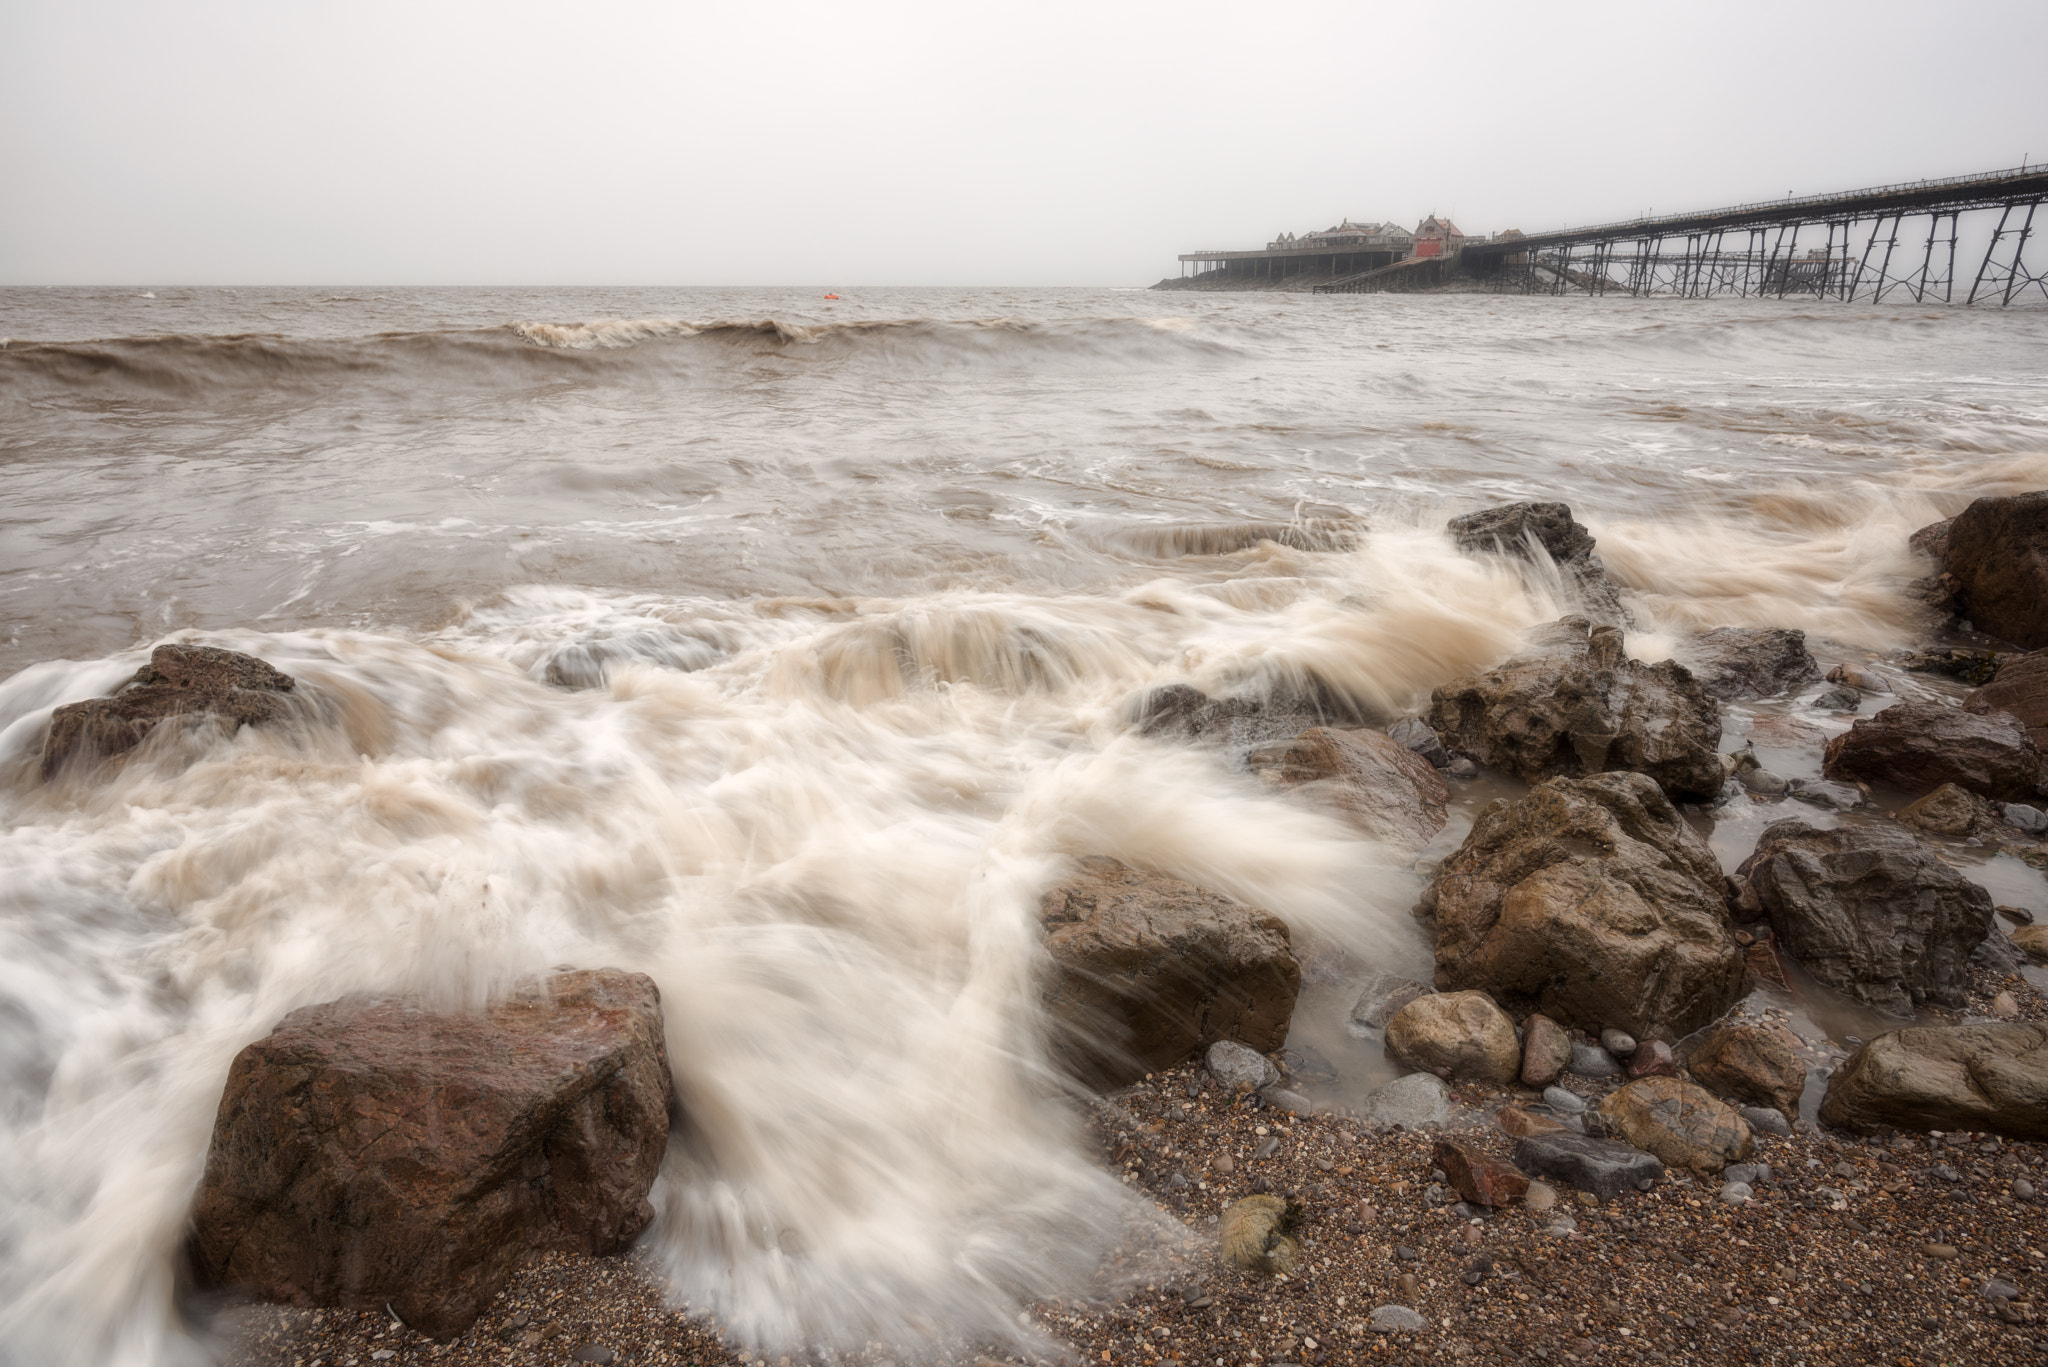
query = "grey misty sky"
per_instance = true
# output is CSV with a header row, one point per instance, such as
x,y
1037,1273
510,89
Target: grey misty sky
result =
x,y
619,142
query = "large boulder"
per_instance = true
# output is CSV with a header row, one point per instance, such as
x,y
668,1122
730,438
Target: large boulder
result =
x,y
1919,746
1755,1063
1998,552
1536,532
1577,705
1733,663
1592,901
1946,1077
1870,912
1144,969
1684,1125
1460,1035
178,681
1375,783
368,1151
2020,688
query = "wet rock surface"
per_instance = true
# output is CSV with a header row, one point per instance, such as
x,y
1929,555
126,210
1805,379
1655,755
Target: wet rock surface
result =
x,y
1870,912
1734,663
2021,690
1378,785
1607,1168
1146,969
179,681
1951,811
1970,1077
1380,996
1580,706
368,1151
1918,746
1456,1035
1537,531
1752,1062
1997,551
1591,901
1683,1125
1546,1051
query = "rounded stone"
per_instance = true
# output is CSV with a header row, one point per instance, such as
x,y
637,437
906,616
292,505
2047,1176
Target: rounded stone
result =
x,y
1456,1034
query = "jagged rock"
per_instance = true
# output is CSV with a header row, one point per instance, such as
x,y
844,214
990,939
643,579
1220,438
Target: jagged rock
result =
x,y
1414,733
1478,1176
1605,1167
1931,541
1378,785
2021,689
1755,1063
1546,1051
1950,811
1732,663
1382,995
1870,912
1183,712
1459,1035
178,681
1416,1102
1592,901
1684,1125
1144,969
1959,1077
1840,698
1536,531
1239,1068
369,1151
1919,746
1998,552
1585,708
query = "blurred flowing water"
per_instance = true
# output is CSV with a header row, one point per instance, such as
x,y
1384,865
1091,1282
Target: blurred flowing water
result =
x,y
785,650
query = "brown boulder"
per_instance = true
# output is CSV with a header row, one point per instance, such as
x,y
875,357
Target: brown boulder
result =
x,y
178,681
1758,1064
1576,705
1919,746
369,1151
1479,1177
1652,1059
1683,1125
1951,811
1957,1077
1375,783
1870,912
2021,689
1460,1035
1998,552
1592,901
1546,1050
1144,969
2034,940
1535,532
1520,1123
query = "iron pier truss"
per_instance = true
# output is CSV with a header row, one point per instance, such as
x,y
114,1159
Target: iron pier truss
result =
x,y
1920,240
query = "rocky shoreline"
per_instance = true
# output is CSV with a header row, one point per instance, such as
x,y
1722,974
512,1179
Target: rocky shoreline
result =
x,y
1604,1145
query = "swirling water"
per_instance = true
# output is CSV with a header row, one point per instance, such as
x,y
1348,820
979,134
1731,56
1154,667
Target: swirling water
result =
x,y
784,650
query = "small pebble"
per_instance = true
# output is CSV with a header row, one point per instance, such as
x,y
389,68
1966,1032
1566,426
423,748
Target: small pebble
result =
x,y
1541,1196
1941,1252
595,1352
1619,1043
1735,1193
1397,1319
2022,1188
1224,1165
1563,1101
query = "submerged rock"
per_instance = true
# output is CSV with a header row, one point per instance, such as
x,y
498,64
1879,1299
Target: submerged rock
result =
x,y
369,1151
1538,531
1684,1125
1870,912
1998,553
1378,785
1756,1063
1583,707
178,681
1456,1035
1919,746
1733,663
1961,1077
1592,901
1381,996
1146,969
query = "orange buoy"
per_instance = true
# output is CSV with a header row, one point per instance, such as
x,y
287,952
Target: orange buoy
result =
x,y
831,296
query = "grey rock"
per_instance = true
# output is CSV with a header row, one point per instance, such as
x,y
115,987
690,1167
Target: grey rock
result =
x,y
1590,1060
1539,532
595,1352
1461,767
1766,1120
1268,1146
2022,1189
1999,954
1734,663
1417,1101
1233,1064
2032,820
1817,792
1414,733
1750,1174
1735,1193
1619,1043
1563,1101
1870,911
1380,998
1762,781
1839,698
1998,1289
1397,1319
1294,1103
1605,1167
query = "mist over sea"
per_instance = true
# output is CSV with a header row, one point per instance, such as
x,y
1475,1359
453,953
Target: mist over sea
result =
x,y
786,651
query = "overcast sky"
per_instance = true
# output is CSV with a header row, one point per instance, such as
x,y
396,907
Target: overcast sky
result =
x,y
903,142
